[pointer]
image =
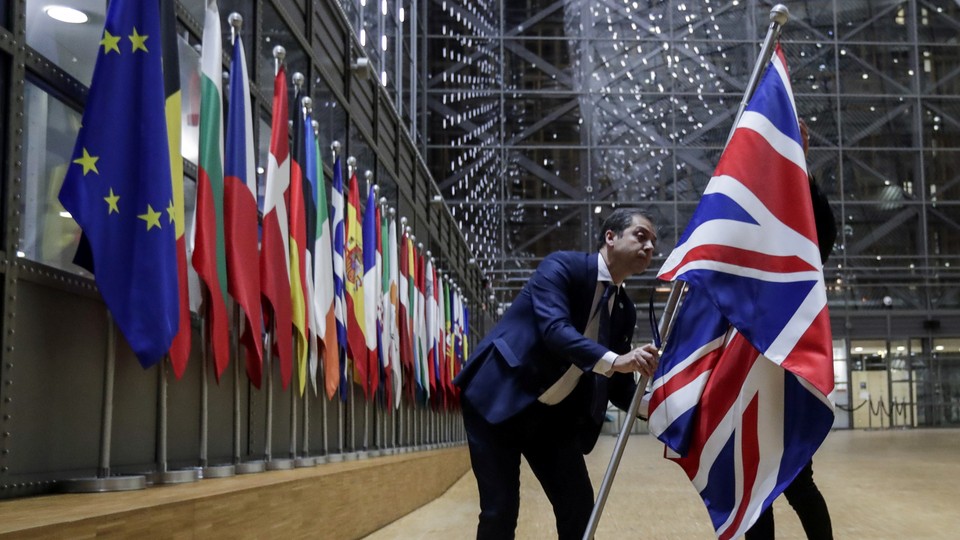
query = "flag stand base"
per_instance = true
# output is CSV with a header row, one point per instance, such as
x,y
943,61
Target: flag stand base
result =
x,y
335,458
182,476
219,471
303,462
279,464
321,459
102,485
375,453
251,467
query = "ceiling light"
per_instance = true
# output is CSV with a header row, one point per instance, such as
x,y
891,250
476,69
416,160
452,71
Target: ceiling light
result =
x,y
66,14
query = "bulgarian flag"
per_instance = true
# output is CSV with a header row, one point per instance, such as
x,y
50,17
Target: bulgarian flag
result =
x,y
209,249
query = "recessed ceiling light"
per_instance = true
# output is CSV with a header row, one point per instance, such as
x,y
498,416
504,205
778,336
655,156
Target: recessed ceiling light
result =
x,y
66,14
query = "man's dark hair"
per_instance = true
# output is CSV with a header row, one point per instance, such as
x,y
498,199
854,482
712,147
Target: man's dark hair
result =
x,y
618,221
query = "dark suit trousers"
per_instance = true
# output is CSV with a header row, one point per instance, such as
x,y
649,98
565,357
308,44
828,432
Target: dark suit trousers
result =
x,y
806,500
546,437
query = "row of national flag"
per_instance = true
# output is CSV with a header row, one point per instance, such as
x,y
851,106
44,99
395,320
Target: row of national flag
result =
x,y
335,284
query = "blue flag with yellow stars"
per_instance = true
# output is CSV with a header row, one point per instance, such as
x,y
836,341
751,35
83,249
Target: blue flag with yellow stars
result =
x,y
118,187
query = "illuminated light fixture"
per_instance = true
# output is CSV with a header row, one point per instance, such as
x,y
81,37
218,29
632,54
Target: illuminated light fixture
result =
x,y
66,214
66,14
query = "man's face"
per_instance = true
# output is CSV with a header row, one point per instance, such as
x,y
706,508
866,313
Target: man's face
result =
x,y
634,248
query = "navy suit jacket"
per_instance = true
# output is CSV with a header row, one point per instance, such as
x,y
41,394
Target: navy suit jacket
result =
x,y
540,336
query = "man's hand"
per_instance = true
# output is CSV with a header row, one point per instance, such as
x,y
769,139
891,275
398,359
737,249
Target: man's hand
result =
x,y
643,359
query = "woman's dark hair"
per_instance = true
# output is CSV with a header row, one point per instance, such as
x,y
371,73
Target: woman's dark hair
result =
x,y
618,221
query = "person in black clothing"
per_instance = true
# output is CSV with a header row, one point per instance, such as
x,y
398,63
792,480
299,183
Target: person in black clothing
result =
x,y
803,494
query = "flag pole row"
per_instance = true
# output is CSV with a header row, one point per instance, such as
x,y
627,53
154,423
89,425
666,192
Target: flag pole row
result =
x,y
285,266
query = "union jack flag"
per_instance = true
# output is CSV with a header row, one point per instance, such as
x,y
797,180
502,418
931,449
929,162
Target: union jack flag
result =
x,y
740,396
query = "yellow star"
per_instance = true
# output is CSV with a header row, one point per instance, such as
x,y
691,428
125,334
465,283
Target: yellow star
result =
x,y
152,218
112,201
171,211
89,162
138,41
110,42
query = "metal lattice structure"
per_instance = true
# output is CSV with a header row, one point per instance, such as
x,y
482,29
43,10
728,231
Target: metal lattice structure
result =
x,y
545,115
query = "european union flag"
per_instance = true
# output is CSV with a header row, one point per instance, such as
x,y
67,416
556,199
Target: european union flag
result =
x,y
118,186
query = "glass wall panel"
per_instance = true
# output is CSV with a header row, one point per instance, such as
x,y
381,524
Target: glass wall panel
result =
x,y
67,33
48,234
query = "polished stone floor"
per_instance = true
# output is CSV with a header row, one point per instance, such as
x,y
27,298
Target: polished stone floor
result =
x,y
896,484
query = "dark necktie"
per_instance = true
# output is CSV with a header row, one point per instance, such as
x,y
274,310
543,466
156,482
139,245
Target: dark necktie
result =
x,y
599,398
603,326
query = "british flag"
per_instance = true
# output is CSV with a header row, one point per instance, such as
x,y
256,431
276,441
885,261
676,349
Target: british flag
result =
x,y
740,396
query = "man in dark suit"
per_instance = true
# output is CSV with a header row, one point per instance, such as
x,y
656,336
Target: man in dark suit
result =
x,y
539,382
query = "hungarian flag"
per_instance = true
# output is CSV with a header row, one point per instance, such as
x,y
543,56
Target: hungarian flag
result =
x,y
209,246
740,395
118,183
353,286
274,258
240,211
298,243
180,349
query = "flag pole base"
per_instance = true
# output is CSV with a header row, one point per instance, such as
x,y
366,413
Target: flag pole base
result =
x,y
103,485
279,464
375,453
219,471
335,458
322,459
251,467
388,451
303,462
182,476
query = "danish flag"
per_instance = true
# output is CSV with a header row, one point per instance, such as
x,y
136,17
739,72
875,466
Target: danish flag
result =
x,y
740,396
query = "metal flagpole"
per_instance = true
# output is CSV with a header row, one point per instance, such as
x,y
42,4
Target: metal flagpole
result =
x,y
105,480
778,17
338,456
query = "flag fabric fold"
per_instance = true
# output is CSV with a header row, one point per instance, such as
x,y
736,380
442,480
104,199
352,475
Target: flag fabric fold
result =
x,y
180,349
209,246
296,202
274,257
393,303
339,276
240,212
740,396
118,185
353,287
371,293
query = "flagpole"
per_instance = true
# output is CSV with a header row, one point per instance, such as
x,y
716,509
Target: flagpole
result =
x,y
368,420
341,347
351,393
322,367
104,481
163,475
779,15
235,20
306,460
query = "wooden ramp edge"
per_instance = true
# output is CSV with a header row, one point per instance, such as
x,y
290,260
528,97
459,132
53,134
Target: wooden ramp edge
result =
x,y
335,500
